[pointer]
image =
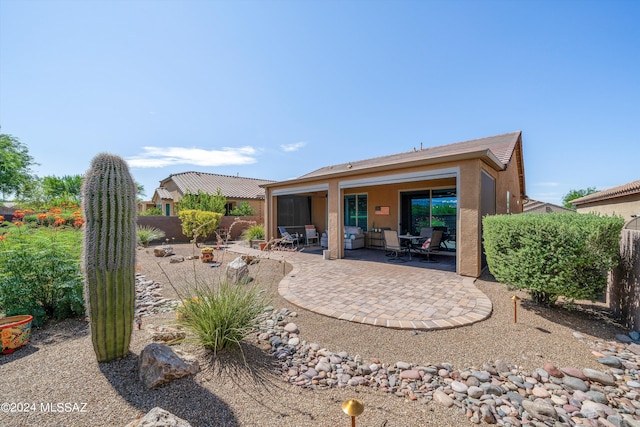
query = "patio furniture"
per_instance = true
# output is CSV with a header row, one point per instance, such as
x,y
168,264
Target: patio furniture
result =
x,y
353,237
407,240
430,246
288,239
311,234
392,246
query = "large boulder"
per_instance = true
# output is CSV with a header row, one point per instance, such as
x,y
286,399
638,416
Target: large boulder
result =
x,y
159,365
237,270
158,417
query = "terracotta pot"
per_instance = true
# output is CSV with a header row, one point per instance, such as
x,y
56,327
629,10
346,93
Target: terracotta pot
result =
x,y
262,246
14,332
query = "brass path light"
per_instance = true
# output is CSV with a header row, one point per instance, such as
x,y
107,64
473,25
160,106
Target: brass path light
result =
x,y
353,408
515,300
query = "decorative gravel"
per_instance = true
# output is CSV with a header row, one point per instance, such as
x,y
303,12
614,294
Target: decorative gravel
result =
x,y
56,381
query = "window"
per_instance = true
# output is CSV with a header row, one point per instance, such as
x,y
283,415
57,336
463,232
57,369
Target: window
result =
x,y
228,208
355,210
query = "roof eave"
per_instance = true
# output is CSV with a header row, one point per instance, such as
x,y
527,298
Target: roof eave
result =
x,y
486,155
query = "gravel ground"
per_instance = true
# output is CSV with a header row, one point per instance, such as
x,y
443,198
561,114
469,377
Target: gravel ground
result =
x,y
58,366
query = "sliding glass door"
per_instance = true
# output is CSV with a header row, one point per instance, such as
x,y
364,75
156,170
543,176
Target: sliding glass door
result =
x,y
430,208
355,210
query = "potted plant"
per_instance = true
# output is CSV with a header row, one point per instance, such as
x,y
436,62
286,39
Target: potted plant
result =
x,y
14,332
254,235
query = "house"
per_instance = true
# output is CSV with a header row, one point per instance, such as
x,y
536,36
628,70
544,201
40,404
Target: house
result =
x,y
535,206
452,186
623,200
235,188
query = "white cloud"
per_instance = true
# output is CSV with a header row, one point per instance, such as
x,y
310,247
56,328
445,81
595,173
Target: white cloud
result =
x,y
157,157
293,147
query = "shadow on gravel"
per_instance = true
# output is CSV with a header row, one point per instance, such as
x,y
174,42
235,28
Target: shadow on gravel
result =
x,y
26,350
184,397
53,332
253,374
583,316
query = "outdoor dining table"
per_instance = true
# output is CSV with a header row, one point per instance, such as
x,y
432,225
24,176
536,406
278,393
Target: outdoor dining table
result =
x,y
408,238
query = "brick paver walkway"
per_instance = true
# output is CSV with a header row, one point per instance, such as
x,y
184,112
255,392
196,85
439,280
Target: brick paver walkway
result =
x,y
405,296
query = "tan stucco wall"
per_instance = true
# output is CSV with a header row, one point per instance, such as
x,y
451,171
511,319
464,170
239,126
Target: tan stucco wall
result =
x,y
621,206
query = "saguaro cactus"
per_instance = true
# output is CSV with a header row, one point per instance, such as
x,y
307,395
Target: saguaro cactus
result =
x,y
109,204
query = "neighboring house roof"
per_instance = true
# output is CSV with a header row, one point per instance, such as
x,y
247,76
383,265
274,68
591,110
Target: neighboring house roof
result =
x,y
538,206
498,148
164,194
611,193
233,187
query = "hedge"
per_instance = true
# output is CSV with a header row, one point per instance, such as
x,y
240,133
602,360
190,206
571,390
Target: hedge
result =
x,y
552,255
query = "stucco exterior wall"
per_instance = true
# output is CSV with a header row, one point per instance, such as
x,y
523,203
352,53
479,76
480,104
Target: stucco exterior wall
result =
x,y
468,241
622,206
508,180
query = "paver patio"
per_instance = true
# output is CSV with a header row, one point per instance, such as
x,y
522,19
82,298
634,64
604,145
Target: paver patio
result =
x,y
363,287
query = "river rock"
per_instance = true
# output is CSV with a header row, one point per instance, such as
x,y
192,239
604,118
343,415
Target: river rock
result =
x,y
443,398
610,361
540,409
598,376
552,370
575,383
292,328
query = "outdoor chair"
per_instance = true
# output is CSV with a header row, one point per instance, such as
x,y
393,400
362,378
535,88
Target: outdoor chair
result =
x,y
311,234
430,245
425,233
288,239
392,246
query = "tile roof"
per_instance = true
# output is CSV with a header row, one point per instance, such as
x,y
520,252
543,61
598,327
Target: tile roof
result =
x,y
536,205
163,193
500,146
233,187
611,193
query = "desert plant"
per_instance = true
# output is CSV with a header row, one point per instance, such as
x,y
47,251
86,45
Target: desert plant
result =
x,y
552,255
198,224
254,232
221,315
109,204
203,202
40,273
147,234
154,211
244,209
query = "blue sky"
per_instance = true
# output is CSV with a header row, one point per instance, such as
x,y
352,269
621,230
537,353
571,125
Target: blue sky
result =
x,y
276,89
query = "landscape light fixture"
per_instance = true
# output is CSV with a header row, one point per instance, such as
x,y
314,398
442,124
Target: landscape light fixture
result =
x,y
353,408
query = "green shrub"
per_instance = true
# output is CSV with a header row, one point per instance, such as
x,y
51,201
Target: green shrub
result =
x,y
254,232
154,211
203,202
244,209
198,224
220,316
553,255
40,273
147,234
